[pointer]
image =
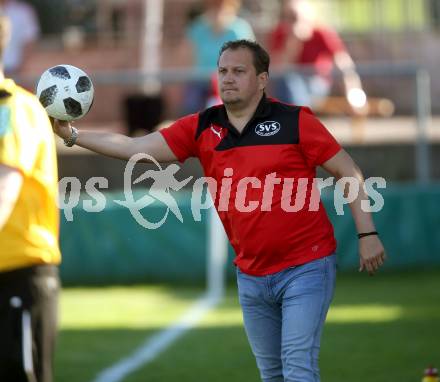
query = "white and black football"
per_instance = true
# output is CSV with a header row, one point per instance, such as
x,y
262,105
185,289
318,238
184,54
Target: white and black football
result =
x,y
66,92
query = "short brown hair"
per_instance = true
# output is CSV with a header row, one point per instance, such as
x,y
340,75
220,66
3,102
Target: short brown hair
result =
x,y
260,56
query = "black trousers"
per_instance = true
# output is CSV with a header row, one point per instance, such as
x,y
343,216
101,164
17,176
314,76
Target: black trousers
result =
x,y
28,323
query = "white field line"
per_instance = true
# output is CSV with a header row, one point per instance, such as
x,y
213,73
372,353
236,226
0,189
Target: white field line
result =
x,y
156,344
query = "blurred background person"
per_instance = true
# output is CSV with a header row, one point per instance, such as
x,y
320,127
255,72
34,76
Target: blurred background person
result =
x,y
315,49
25,30
217,23
29,225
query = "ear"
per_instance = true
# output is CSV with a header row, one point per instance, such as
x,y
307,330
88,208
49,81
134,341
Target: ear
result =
x,y
263,79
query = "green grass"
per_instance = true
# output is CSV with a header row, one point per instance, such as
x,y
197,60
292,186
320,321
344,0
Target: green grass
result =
x,y
101,325
384,328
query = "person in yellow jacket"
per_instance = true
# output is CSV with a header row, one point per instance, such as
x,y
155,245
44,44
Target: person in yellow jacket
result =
x,y
29,225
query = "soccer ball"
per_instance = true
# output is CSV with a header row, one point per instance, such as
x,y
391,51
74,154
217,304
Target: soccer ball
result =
x,y
66,92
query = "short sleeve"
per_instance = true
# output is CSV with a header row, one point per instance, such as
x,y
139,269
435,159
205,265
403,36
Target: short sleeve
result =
x,y
277,39
181,137
332,41
316,142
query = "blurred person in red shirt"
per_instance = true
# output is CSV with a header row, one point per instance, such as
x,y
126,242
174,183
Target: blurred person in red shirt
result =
x,y
315,49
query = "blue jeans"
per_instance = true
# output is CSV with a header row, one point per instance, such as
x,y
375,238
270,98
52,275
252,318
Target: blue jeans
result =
x,y
284,314
301,89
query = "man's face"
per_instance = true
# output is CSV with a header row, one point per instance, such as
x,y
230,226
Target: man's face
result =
x,y
238,81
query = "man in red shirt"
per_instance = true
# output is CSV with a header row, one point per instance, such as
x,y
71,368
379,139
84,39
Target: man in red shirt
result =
x,y
260,152
315,50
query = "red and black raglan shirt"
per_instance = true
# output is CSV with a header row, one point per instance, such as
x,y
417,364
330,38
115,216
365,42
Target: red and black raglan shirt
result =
x,y
270,167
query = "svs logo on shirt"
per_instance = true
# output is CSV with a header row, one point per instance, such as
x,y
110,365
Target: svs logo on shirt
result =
x,y
268,128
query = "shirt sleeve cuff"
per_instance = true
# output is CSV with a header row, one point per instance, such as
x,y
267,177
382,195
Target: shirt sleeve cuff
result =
x,y
173,146
328,154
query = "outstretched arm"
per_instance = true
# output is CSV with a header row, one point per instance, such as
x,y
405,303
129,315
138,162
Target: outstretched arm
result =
x,y
356,96
117,145
371,250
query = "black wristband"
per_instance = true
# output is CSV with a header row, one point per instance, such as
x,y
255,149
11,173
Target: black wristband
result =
x,y
361,235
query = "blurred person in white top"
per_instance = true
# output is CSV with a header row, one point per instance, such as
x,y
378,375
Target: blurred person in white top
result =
x,y
25,30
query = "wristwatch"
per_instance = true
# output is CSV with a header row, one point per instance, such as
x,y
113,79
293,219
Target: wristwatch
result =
x,y
69,142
